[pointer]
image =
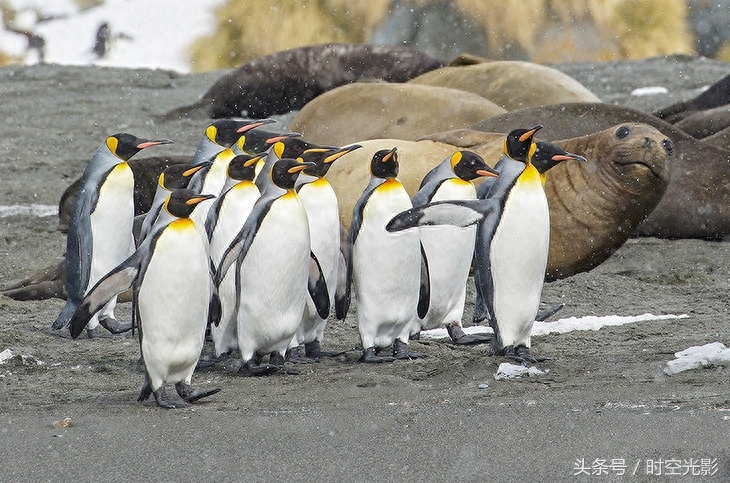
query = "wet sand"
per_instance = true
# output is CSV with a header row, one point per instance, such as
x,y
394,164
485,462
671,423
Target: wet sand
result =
x,y
603,395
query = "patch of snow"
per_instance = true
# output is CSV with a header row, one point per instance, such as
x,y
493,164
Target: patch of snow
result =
x,y
713,354
507,370
40,211
5,356
649,91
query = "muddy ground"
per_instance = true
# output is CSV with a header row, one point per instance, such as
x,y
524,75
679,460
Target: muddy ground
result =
x,y
603,395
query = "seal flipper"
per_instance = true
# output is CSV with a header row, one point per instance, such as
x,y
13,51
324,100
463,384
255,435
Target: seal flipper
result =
x,y
190,394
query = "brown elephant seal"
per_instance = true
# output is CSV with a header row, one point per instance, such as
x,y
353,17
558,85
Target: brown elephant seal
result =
x,y
594,206
383,110
702,124
697,201
510,84
287,80
716,95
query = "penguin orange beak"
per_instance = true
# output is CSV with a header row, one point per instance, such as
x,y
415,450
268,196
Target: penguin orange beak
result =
x,y
199,199
191,171
157,142
254,160
254,125
487,173
340,152
390,154
299,167
568,157
530,133
281,137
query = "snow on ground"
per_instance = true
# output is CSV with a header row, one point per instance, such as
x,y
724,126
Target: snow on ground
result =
x,y
152,33
713,354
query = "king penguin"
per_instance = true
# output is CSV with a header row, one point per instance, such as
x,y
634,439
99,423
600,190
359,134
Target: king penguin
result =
x,y
273,271
512,242
221,134
225,219
546,156
289,147
320,201
388,270
450,249
170,279
100,232
172,178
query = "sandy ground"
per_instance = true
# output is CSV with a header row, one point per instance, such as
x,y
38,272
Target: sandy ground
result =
x,y
602,407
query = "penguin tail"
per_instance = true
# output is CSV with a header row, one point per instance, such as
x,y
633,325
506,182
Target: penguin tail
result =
x,y
65,316
458,213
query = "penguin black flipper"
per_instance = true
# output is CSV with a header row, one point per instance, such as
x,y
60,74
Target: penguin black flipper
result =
x,y
318,287
340,289
112,284
460,213
424,292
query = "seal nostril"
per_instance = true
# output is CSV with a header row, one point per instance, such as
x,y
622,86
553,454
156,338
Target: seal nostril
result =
x,y
668,145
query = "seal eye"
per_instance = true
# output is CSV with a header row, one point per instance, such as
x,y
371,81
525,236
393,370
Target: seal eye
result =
x,y
622,132
668,145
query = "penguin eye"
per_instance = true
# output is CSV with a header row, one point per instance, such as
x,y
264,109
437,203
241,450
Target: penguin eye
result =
x,y
622,132
668,146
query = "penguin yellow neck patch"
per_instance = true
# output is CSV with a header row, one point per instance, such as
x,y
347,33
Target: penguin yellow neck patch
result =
x,y
182,224
530,175
390,184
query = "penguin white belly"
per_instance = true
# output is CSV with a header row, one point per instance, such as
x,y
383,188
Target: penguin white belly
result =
x,y
173,304
320,201
449,251
386,270
214,181
518,255
111,222
237,205
274,280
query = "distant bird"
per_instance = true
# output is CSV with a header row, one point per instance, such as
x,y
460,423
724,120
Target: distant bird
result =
x,y
100,231
170,277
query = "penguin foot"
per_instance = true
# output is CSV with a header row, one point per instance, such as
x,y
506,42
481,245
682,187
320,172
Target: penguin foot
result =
x,y
96,334
293,356
278,360
249,369
190,394
549,312
113,325
369,356
416,336
314,351
401,352
458,336
163,402
522,355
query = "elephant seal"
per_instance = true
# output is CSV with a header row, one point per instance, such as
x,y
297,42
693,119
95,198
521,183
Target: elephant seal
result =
x,y
594,206
383,110
287,80
697,201
716,95
511,84
702,124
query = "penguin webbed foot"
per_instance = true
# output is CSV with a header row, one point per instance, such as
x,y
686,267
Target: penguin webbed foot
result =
x,y
543,315
401,351
95,333
165,403
114,326
293,356
370,356
190,394
459,337
278,360
251,368
521,355
313,350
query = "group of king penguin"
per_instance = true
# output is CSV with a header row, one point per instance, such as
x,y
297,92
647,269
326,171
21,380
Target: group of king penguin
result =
x,y
244,245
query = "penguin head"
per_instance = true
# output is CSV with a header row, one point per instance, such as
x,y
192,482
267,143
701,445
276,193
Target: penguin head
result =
x,y
518,144
225,132
323,158
385,163
178,175
182,202
547,155
243,167
284,172
293,147
468,165
124,145
259,140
